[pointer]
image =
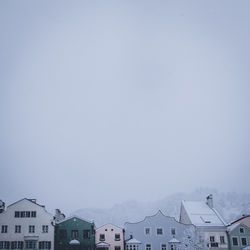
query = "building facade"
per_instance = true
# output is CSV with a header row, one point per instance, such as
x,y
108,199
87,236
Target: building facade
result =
x,y
75,233
211,230
109,237
159,232
26,225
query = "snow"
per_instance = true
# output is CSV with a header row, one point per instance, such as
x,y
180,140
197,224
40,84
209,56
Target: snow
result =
x,y
201,214
74,242
174,240
232,227
102,244
133,241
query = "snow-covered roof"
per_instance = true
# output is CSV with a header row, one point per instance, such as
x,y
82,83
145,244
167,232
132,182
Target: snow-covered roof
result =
x,y
232,227
102,244
201,214
246,248
174,240
133,241
74,242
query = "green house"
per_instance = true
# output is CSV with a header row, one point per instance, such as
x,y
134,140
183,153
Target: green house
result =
x,y
75,233
238,236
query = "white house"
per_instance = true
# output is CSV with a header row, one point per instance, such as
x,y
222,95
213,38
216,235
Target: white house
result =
x,y
211,231
109,237
26,225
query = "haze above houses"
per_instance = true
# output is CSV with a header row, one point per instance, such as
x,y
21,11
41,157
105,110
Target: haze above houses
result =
x,y
230,205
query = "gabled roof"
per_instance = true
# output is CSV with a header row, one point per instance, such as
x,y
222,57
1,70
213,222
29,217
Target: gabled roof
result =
x,y
30,200
109,224
242,217
200,214
77,217
235,225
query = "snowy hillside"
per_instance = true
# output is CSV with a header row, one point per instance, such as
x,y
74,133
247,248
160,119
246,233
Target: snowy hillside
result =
x,y
230,205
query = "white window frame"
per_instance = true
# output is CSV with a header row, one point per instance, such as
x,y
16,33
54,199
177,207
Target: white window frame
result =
x,y
237,240
148,244
150,230
171,231
241,241
163,244
161,230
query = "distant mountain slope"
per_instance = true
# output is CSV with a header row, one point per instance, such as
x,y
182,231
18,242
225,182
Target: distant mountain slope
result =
x,y
230,206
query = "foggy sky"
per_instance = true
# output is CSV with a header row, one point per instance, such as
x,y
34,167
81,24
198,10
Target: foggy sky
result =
x,y
104,101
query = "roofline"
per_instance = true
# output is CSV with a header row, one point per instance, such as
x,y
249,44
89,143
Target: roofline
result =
x,y
159,211
76,216
242,217
109,224
30,200
27,200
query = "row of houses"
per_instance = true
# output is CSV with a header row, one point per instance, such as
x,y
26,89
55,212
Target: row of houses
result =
x,y
26,224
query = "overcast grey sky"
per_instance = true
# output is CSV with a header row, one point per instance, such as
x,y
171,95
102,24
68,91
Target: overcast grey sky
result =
x,y
104,101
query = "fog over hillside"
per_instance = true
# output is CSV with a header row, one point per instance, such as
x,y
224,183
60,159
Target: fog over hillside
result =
x,y
231,205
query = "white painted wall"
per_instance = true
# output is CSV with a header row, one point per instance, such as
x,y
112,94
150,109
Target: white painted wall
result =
x,y
42,218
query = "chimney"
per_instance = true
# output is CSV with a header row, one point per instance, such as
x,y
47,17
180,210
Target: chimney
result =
x,y
210,201
2,206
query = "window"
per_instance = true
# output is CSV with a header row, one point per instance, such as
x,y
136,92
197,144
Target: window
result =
x,y
117,237
86,234
17,229
117,248
163,247
20,245
222,239
148,246
243,241
4,229
31,229
212,239
22,214
45,228
44,245
235,241
30,244
173,232
62,234
102,237
74,234
159,231
242,230
172,247
17,214
33,214
147,230
4,244
27,214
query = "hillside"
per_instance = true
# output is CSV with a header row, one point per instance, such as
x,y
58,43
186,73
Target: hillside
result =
x,y
230,205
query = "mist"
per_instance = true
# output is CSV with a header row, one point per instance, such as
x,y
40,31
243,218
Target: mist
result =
x,y
106,101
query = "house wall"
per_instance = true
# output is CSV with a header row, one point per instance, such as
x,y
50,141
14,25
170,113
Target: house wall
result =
x,y
74,223
184,233
42,218
109,231
236,233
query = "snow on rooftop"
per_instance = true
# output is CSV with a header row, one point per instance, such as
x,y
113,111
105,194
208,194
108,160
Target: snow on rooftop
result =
x,y
201,214
174,240
232,227
74,242
133,241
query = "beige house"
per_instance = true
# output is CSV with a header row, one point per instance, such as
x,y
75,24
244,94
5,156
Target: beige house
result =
x,y
109,237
